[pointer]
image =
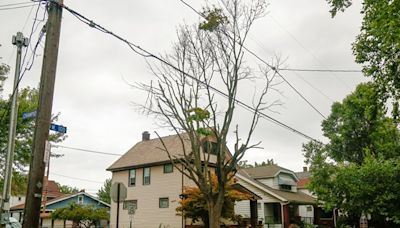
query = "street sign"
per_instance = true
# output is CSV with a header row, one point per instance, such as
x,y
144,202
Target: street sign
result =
x,y
47,152
28,115
58,128
122,192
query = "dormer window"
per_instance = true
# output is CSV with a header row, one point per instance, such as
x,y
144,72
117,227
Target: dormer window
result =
x,y
285,187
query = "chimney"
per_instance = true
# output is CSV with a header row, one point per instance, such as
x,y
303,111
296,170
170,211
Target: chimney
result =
x,y
305,169
145,136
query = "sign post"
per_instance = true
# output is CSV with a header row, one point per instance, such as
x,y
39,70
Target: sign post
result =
x,y
118,194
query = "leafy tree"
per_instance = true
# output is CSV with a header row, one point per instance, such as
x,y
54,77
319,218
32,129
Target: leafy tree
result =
x,y
358,170
212,55
67,189
84,216
377,46
194,204
27,102
245,164
104,192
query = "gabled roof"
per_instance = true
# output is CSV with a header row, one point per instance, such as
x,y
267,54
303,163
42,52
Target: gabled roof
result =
x,y
62,198
267,171
152,152
59,199
285,196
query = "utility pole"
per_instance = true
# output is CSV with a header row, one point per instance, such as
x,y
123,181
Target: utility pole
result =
x,y
20,41
43,118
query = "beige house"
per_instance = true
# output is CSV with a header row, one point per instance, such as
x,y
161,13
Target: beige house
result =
x,y
153,184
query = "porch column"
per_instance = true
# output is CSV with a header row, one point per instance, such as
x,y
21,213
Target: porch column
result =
x,y
317,215
253,213
286,219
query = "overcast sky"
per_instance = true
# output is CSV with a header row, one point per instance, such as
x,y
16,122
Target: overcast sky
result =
x,y
94,71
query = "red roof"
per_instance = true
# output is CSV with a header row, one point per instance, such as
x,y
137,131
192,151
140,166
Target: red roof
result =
x,y
303,182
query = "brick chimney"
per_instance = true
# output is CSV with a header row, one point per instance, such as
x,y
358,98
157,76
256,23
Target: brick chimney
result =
x,y
305,169
145,136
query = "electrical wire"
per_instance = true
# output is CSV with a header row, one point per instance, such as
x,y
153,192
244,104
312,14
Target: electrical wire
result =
x,y
140,51
17,7
321,70
76,178
276,70
86,150
16,4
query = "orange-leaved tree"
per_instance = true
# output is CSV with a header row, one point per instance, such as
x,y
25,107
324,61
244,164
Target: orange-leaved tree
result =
x,y
194,204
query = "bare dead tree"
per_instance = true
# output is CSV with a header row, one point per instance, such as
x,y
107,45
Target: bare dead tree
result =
x,y
208,62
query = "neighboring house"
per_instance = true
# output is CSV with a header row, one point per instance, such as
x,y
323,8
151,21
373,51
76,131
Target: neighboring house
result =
x,y
51,191
280,198
55,200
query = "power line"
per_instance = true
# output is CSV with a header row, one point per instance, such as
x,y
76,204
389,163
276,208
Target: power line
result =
x,y
17,7
276,70
321,70
76,178
86,150
16,4
144,53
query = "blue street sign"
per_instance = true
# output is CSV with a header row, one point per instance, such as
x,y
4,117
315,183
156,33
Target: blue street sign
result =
x,y
28,115
58,128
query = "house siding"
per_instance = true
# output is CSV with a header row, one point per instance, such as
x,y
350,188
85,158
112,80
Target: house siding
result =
x,y
148,213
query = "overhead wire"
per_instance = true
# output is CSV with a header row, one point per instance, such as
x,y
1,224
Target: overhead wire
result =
x,y
146,54
76,178
86,150
16,7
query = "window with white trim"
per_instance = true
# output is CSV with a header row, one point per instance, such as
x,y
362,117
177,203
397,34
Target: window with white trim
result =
x,y
132,177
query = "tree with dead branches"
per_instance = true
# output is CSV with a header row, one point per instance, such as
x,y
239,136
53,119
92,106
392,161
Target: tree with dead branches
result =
x,y
208,64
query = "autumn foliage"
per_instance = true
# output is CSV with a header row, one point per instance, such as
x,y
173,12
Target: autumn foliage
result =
x,y
194,204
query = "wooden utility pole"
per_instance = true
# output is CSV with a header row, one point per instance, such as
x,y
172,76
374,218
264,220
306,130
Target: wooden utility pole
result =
x,y
43,118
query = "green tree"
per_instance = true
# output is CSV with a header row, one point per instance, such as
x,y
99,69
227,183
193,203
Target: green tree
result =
x,y
27,102
377,46
104,192
67,189
83,216
358,170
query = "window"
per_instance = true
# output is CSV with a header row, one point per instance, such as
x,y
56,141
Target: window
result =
x,y
285,187
164,203
80,199
146,176
132,177
168,168
129,203
210,147
309,208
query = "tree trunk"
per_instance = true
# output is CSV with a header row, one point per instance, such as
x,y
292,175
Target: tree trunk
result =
x,y
214,215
